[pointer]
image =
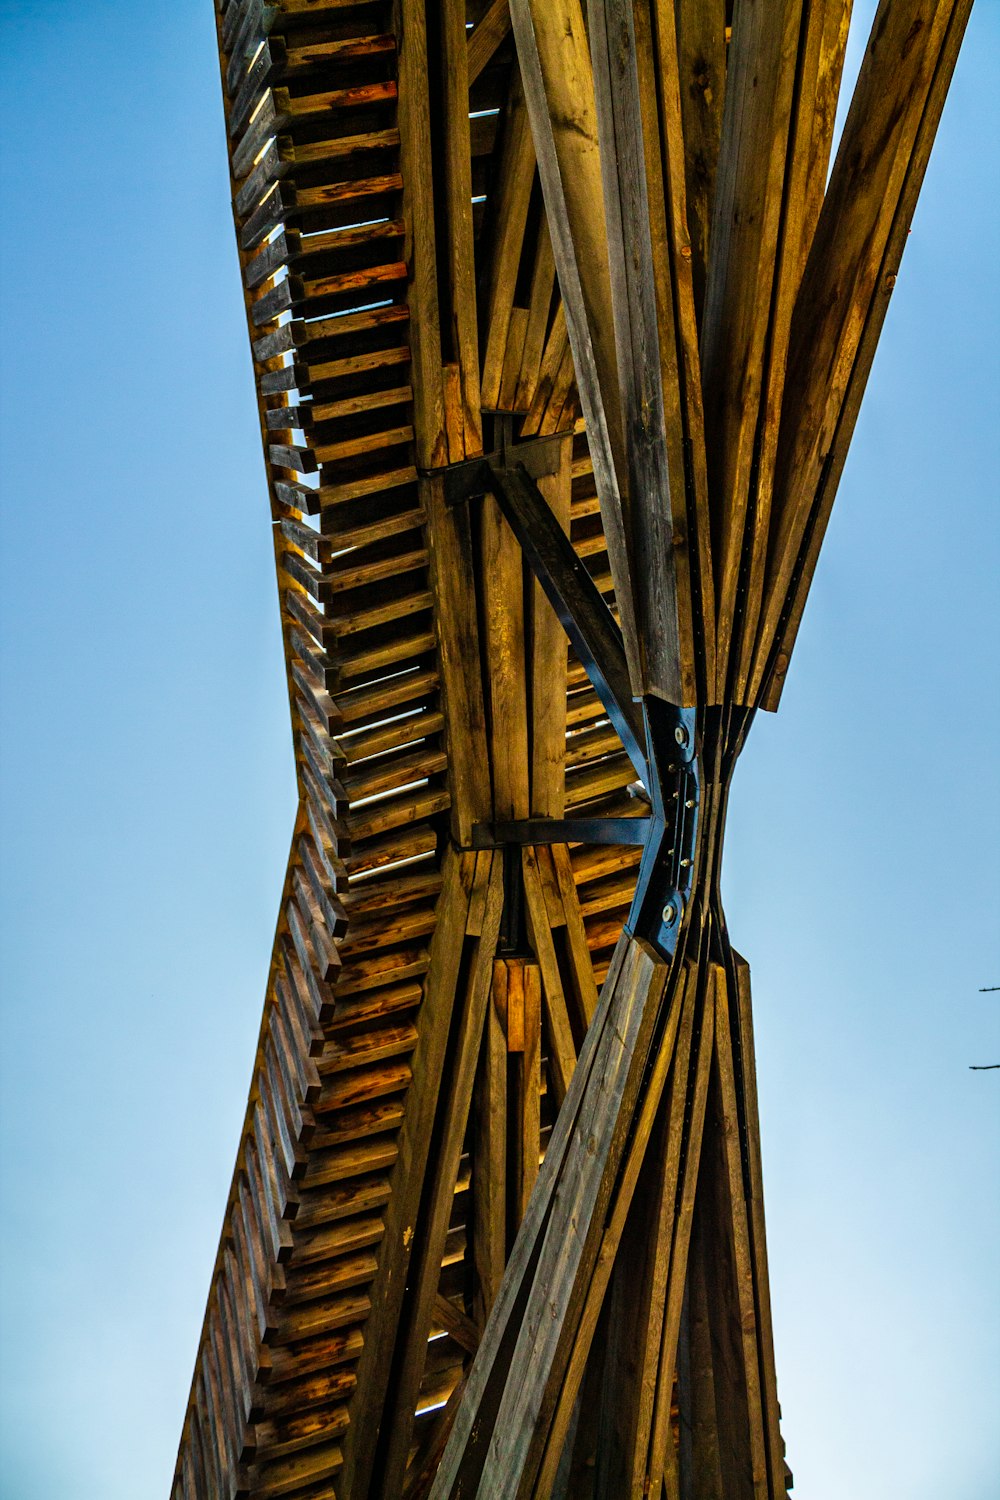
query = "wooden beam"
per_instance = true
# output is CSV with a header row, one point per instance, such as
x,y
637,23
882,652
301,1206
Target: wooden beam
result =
x,y
585,616
822,45
409,25
486,1376
515,1432
635,1261
458,199
562,1052
524,994
844,296
744,232
680,366
692,1128
701,59
449,544
549,650
558,86
359,1446
746,1078
425,1267
487,34
637,347
501,573
512,197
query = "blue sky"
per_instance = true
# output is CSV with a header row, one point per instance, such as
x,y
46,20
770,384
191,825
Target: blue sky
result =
x,y
148,801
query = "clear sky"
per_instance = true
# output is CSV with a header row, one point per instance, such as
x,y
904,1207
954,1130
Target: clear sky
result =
x,y
148,801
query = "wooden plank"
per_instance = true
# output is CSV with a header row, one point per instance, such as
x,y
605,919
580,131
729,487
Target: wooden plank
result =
x,y
456,1323
692,1127
567,1256
425,1266
762,1290
501,572
744,234
666,157
633,301
732,1308
459,251
701,1461
451,565
557,77
578,954
409,25
633,1317
486,36
548,666
641,1275
512,358
821,59
408,1173
482,1390
573,1189
853,265
701,53
513,194
489,1154
561,1048
527,1082
539,306
556,345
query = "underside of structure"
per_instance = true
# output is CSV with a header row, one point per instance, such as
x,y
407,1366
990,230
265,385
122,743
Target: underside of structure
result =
x,y
561,318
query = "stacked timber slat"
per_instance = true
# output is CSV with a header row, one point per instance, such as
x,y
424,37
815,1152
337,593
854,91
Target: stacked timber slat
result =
x,y
436,257
311,116
318,193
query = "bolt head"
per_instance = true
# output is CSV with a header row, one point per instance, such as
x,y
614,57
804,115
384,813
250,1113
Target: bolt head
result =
x,y
669,915
690,803
681,735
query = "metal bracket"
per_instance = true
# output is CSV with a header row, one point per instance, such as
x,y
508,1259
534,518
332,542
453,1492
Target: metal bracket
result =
x,y
668,837
658,736
666,872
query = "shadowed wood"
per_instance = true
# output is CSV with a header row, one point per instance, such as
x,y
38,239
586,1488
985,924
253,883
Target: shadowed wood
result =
x,y
496,1223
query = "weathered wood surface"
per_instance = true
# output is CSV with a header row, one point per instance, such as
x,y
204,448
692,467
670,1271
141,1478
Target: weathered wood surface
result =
x,y
496,1223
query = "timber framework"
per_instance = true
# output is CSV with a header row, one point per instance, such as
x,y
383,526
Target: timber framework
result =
x,y
560,322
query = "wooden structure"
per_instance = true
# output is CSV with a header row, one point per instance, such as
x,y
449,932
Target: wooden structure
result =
x,y
560,334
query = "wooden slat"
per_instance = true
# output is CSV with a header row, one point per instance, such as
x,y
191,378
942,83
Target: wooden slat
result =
x,y
450,540
501,570
408,1175
419,251
822,46
555,67
457,187
513,193
486,36
585,1152
649,526
430,1239
849,277
744,234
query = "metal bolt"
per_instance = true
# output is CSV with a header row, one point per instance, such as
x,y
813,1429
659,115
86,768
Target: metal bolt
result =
x,y
681,735
690,802
685,864
669,915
